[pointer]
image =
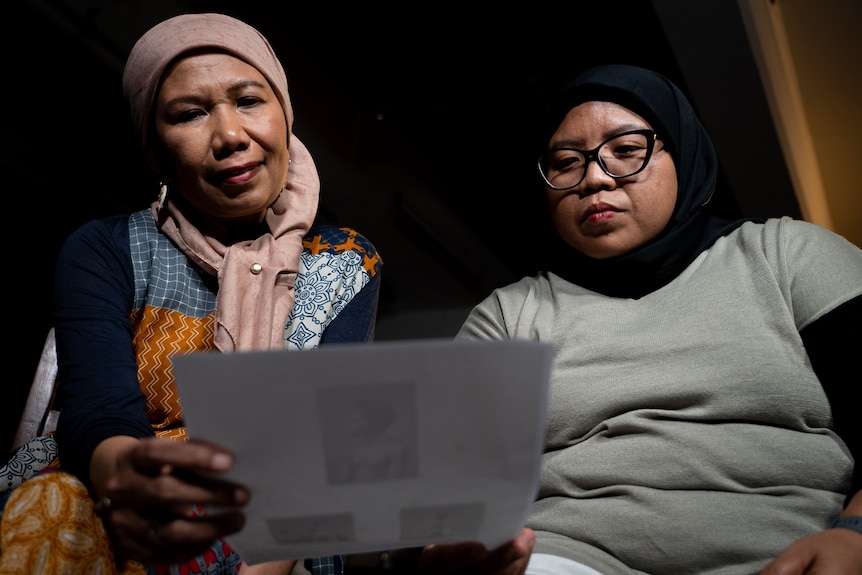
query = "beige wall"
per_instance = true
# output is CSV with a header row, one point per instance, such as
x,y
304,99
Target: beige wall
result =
x,y
810,59
826,46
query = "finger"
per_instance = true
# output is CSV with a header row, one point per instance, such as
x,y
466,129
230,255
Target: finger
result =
x,y
174,540
211,527
513,557
522,545
190,537
150,476
510,558
155,454
194,532
172,494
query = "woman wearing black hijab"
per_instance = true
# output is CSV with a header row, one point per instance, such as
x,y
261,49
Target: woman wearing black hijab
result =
x,y
699,416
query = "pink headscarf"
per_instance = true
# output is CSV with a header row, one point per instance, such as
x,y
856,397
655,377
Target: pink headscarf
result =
x,y
251,308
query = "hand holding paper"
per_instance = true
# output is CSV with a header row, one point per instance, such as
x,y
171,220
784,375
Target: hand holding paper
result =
x,y
364,447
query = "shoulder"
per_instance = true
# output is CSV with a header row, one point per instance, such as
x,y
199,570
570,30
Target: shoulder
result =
x,y
786,229
324,239
524,287
504,313
816,269
529,291
111,225
792,240
109,233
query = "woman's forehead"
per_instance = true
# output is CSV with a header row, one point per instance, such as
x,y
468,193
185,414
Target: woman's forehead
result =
x,y
597,119
596,111
194,62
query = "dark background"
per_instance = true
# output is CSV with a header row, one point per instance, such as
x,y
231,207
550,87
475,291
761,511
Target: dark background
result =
x,y
421,118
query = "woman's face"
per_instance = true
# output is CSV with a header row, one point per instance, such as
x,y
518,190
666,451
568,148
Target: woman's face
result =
x,y
222,137
603,217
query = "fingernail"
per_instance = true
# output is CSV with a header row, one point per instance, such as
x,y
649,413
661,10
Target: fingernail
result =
x,y
221,461
241,496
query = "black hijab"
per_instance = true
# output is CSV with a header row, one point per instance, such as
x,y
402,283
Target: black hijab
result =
x,y
691,229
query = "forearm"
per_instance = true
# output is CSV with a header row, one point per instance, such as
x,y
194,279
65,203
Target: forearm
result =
x,y
99,395
854,506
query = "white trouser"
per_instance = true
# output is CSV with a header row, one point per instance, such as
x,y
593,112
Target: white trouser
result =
x,y
544,564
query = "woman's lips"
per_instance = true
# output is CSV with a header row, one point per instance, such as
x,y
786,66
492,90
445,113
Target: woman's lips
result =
x,y
239,174
600,213
601,217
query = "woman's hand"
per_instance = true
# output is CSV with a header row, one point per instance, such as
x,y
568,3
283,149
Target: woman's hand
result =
x,y
153,487
834,551
508,559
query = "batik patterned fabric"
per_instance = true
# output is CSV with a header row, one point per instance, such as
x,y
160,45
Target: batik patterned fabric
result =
x,y
26,462
50,521
50,526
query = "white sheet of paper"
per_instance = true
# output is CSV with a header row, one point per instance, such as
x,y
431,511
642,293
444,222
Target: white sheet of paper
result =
x,y
354,448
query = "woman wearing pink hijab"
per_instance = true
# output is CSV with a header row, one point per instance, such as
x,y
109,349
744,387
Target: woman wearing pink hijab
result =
x,y
227,258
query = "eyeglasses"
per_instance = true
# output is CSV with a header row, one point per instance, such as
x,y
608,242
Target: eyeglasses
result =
x,y
621,156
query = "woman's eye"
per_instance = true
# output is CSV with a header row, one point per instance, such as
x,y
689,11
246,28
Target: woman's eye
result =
x,y
247,101
189,115
626,149
567,162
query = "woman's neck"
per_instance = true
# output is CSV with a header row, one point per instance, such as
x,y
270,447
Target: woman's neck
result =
x,y
240,231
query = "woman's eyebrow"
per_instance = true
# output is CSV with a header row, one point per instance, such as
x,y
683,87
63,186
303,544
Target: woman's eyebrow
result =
x,y
567,143
580,143
245,84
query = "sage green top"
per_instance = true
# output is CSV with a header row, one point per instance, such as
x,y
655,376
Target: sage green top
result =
x,y
687,432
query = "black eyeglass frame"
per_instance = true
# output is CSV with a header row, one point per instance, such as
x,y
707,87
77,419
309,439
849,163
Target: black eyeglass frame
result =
x,y
591,155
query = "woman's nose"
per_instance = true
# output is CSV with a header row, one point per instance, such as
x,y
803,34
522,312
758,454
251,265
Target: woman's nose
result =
x,y
229,133
595,179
